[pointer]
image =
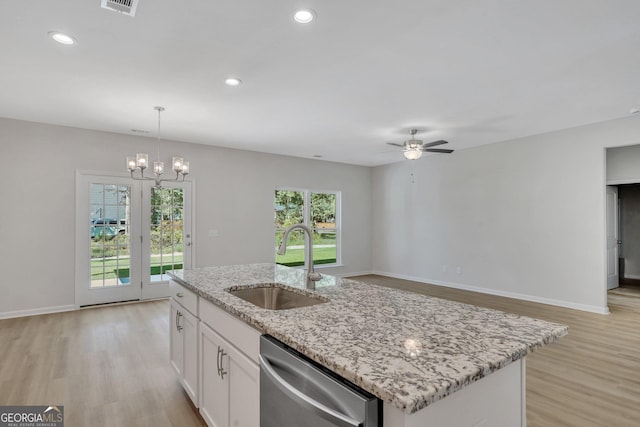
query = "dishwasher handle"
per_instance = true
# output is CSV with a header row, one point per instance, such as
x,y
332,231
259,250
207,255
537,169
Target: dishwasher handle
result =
x,y
325,412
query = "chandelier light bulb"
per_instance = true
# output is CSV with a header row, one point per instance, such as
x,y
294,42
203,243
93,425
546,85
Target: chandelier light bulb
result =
x,y
131,163
177,164
158,168
142,160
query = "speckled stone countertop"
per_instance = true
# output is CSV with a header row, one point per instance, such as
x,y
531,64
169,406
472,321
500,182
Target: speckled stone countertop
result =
x,y
407,349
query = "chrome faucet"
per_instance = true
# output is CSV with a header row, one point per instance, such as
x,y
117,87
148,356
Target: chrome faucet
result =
x,y
312,276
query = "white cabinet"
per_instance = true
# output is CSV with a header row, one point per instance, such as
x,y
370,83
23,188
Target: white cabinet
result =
x,y
229,379
214,394
497,400
183,344
216,358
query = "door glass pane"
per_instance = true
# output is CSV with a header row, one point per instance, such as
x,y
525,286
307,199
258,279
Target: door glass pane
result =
x,y
289,210
109,225
167,238
323,223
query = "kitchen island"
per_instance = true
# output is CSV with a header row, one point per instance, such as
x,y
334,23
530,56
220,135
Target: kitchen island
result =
x,y
411,351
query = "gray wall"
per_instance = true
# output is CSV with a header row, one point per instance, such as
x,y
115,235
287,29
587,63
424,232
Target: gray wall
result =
x,y
234,194
623,163
523,218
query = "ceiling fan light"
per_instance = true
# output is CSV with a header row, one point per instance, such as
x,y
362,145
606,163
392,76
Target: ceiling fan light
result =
x,y
412,154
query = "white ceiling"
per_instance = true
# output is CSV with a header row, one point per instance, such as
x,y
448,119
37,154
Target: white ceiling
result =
x,y
365,72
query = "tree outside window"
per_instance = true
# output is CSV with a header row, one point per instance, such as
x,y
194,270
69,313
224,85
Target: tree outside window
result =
x,y
319,211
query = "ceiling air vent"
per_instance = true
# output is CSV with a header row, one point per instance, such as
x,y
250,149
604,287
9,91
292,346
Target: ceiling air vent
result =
x,y
126,7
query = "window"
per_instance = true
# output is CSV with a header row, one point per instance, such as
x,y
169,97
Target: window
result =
x,y
167,232
319,210
110,208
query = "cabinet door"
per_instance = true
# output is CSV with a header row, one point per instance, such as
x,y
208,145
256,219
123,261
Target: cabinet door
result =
x,y
244,389
189,331
176,344
214,390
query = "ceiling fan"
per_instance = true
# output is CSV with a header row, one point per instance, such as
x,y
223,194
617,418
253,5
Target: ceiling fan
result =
x,y
413,148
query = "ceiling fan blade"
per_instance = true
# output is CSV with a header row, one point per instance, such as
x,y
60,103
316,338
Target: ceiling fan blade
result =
x,y
438,150
394,144
434,143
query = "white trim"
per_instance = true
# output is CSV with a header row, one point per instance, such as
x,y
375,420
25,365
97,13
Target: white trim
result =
x,y
515,295
37,311
193,224
623,181
349,275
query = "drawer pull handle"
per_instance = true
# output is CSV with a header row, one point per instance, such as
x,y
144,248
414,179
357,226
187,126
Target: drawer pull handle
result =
x,y
221,370
180,295
178,316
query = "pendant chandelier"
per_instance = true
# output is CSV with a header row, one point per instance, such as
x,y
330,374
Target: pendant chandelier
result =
x,y
141,161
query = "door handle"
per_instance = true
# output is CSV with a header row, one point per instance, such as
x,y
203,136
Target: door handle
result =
x,y
619,242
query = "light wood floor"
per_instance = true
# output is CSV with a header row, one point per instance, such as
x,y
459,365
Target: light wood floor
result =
x,y
591,377
109,366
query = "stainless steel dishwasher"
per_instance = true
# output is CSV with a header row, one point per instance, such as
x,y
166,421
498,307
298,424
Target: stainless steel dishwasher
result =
x,y
297,392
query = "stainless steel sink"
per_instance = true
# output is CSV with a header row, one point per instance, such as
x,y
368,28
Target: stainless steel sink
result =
x,y
274,296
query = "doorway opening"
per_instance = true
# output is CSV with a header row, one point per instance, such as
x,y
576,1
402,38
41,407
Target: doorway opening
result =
x,y
629,226
623,225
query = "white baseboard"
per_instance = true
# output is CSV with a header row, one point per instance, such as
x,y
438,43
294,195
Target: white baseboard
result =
x,y
37,311
350,274
515,295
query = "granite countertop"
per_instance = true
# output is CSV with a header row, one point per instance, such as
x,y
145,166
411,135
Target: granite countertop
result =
x,y
409,350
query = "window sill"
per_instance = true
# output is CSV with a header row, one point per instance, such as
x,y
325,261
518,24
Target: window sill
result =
x,y
320,266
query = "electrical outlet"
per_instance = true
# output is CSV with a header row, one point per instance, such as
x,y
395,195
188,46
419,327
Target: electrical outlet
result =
x,y
459,270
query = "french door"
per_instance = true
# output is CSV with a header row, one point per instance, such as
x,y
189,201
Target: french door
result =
x,y
166,237
128,235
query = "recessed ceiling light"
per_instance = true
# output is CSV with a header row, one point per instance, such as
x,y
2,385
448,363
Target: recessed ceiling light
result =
x,y
232,81
62,38
304,16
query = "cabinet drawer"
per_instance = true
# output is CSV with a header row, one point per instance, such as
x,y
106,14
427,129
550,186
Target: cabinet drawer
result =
x,y
184,297
234,330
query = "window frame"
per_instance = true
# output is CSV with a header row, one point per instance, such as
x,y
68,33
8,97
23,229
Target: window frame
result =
x,y
306,216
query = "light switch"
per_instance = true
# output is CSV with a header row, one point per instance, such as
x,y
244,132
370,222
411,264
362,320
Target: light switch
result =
x,y
214,233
